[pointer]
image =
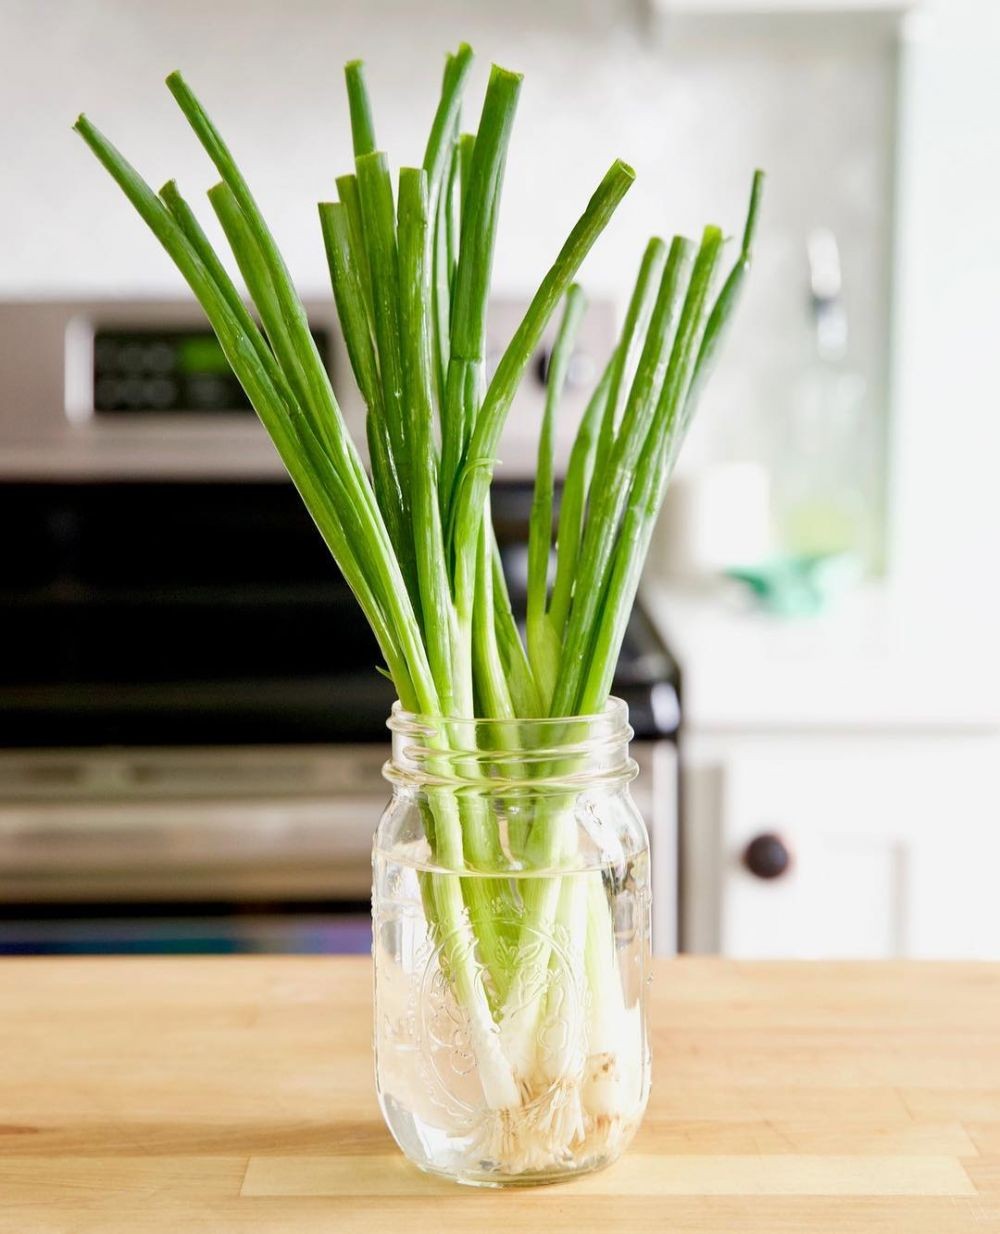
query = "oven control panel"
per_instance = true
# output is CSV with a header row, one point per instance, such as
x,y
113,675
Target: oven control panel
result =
x,y
165,371
129,389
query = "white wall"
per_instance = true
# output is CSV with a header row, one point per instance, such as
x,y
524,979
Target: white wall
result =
x,y
694,108
946,423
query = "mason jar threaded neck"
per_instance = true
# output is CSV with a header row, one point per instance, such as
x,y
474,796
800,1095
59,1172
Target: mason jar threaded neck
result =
x,y
549,754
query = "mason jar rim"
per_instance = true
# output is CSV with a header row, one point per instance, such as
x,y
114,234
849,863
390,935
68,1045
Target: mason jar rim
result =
x,y
548,754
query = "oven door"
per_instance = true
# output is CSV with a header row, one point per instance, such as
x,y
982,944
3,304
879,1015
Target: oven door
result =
x,y
246,850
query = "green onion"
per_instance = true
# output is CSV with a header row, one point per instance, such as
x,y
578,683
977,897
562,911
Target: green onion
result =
x,y
634,329
574,501
438,157
611,490
362,125
543,642
480,456
648,479
410,274
350,199
480,215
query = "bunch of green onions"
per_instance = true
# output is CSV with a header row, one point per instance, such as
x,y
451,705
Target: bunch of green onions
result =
x,y
411,274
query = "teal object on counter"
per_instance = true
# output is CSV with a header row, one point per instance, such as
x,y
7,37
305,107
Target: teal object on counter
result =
x,y
800,586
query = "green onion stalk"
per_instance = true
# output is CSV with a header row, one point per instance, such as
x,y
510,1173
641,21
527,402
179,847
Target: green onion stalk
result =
x,y
410,265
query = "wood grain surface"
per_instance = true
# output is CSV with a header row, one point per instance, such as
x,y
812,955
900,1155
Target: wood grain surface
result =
x,y
236,1094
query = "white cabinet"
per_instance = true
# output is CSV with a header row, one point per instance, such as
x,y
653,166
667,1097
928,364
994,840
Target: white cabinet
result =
x,y
893,843
869,741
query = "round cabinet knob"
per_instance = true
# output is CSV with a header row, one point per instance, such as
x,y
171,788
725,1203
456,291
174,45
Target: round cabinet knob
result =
x,y
767,856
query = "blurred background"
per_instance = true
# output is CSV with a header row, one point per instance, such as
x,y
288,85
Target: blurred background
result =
x,y
191,729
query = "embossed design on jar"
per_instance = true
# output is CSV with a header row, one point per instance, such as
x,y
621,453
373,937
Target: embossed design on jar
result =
x,y
548,986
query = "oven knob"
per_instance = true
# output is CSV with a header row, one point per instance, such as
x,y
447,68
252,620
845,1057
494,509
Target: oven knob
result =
x,y
767,856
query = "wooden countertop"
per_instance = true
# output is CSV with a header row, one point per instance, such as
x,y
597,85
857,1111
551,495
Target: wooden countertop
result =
x,y
217,1095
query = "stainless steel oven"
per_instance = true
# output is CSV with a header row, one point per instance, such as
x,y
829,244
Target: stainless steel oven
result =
x,y
191,725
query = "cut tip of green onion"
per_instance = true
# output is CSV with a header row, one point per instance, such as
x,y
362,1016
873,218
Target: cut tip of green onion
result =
x,y
620,167
359,105
753,211
511,76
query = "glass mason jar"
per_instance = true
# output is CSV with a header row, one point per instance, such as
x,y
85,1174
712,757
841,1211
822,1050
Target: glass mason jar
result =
x,y
511,915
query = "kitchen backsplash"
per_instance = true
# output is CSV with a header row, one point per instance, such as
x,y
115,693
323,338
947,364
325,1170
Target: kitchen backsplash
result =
x,y
694,105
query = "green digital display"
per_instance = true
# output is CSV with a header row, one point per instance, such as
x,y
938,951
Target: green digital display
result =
x,y
201,353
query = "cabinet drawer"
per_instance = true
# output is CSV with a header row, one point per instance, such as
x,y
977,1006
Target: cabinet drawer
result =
x,y
889,850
